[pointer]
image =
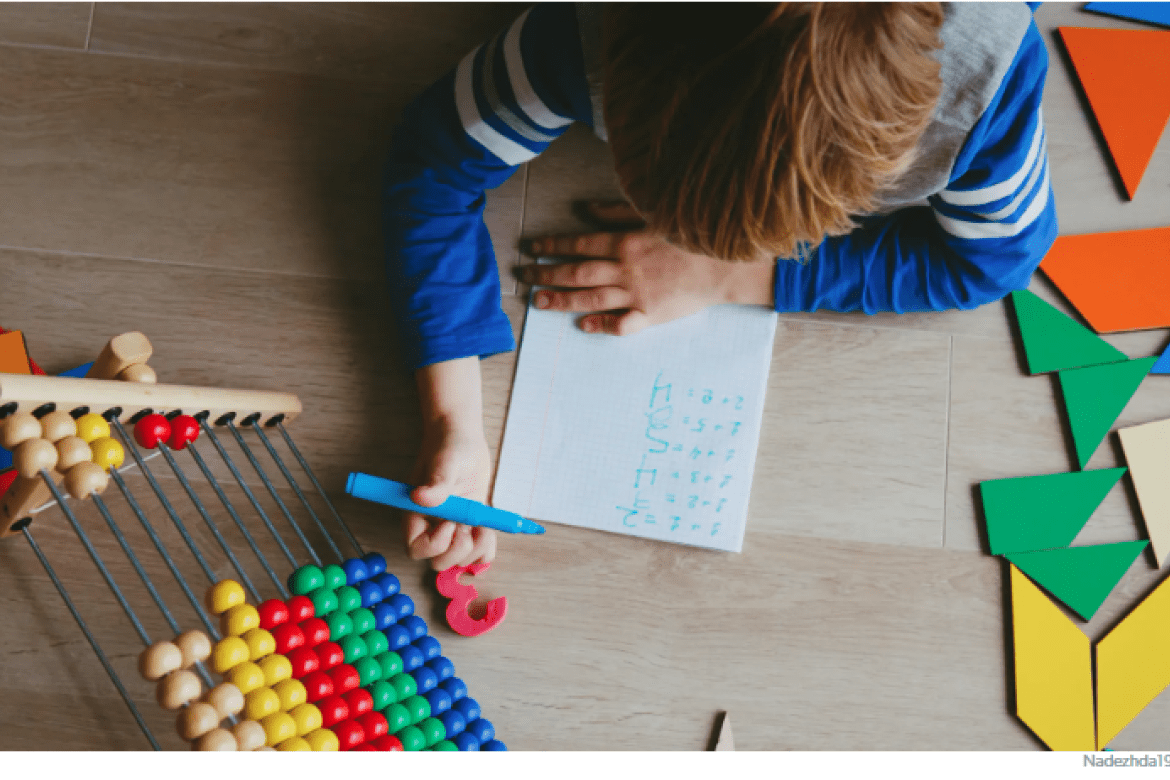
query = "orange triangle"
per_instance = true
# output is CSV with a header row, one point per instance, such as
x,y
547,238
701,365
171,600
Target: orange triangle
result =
x,y
13,355
1117,281
1126,76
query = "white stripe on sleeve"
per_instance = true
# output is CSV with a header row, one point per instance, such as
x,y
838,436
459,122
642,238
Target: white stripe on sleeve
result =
x,y
1010,208
491,139
977,230
526,96
995,192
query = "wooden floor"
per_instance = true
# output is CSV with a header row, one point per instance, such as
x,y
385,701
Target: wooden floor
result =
x,y
208,174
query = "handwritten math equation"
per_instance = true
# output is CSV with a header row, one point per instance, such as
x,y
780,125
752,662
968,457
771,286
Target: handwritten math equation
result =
x,y
686,476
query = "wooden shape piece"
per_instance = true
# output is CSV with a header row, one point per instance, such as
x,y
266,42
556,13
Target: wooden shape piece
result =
x,y
1131,664
447,583
1054,670
128,349
1117,281
1147,451
1095,396
13,354
1039,513
1080,577
1154,13
726,740
1163,364
1126,77
1054,342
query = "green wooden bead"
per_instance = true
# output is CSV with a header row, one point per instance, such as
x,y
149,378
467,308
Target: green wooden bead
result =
x,y
391,664
445,746
404,686
397,716
340,626
419,708
324,602
348,599
363,621
306,580
368,669
334,576
433,730
354,647
383,695
412,739
375,640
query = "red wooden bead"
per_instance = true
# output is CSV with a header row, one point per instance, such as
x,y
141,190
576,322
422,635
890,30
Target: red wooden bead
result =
x,y
360,702
287,636
349,734
318,686
364,747
330,654
300,608
272,613
303,662
345,678
184,430
374,724
388,742
315,630
151,430
333,710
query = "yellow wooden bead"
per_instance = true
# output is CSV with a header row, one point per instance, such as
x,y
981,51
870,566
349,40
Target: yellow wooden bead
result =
x,y
92,426
291,692
33,455
57,425
226,698
178,688
229,652
85,479
107,453
296,743
198,719
20,427
260,643
159,659
247,677
216,739
195,645
307,718
278,727
261,703
249,735
239,619
70,451
224,595
323,740
276,668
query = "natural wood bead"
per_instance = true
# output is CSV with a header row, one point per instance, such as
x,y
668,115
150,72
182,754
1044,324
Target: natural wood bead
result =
x,y
178,688
226,698
216,739
198,719
140,373
32,455
19,427
195,647
70,451
249,735
57,425
159,659
85,479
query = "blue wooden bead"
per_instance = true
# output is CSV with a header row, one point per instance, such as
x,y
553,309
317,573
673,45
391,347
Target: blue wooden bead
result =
x,y
493,745
440,702
375,563
455,687
355,571
415,625
412,657
384,615
370,592
468,708
442,667
425,679
452,721
430,647
402,604
388,583
397,636
465,741
483,730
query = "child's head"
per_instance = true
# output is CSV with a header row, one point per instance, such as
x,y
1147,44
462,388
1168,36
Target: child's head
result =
x,y
744,130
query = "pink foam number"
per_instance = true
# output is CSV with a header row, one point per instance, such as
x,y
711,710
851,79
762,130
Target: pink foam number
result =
x,y
461,597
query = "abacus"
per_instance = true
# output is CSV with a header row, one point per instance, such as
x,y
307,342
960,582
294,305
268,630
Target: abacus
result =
x,y
336,660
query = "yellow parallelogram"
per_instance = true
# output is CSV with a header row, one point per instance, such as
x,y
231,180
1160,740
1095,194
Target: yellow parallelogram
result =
x,y
1054,670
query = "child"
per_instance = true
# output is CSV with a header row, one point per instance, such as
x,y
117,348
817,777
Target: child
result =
x,y
892,156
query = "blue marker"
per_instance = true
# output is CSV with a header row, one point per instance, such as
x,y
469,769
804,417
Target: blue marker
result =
x,y
460,510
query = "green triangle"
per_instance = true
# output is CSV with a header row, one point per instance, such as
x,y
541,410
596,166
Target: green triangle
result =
x,y
1053,341
1039,513
1081,577
1094,398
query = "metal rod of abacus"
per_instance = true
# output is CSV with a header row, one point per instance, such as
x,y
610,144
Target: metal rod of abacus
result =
x,y
200,612
271,489
132,447
247,491
297,489
284,594
170,459
97,649
313,478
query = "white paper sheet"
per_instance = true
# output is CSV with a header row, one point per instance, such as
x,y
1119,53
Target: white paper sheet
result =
x,y
651,435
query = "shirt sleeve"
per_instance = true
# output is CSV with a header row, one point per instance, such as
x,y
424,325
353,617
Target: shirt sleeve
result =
x,y
979,239
500,107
